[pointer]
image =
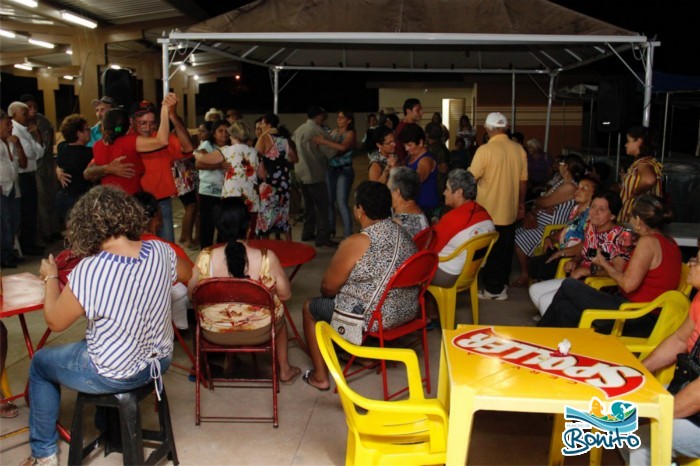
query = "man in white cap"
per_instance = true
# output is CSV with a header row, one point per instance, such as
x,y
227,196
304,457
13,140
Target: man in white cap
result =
x,y
500,168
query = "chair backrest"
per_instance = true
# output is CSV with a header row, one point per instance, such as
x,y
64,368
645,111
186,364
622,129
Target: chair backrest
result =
x,y
425,239
477,249
417,270
232,290
673,312
683,285
539,249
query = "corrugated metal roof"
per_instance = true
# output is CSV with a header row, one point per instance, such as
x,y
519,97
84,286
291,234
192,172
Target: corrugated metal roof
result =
x,y
123,11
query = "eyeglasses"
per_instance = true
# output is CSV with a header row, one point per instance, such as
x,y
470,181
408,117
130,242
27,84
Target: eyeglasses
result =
x,y
145,123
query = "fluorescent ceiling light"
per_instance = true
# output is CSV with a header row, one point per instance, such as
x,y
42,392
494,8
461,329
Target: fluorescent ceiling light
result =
x,y
7,34
68,77
196,77
29,3
73,18
115,67
41,43
23,67
69,52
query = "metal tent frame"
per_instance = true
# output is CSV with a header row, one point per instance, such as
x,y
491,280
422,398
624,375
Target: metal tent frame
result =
x,y
413,52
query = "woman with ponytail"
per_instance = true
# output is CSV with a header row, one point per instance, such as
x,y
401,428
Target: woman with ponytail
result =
x,y
244,325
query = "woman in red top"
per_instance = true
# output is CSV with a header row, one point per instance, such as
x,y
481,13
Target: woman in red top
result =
x,y
654,268
117,144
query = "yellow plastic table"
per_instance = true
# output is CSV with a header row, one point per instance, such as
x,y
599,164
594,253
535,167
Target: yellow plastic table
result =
x,y
513,369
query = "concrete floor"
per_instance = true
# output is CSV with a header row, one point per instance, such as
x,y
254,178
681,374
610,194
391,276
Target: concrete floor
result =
x,y
312,428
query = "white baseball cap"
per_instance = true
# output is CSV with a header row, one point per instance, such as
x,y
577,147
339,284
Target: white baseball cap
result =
x,y
496,120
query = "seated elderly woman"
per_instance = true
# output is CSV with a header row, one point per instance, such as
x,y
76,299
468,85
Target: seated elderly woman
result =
x,y
686,402
602,233
570,238
404,185
552,207
464,221
358,272
129,336
654,268
237,259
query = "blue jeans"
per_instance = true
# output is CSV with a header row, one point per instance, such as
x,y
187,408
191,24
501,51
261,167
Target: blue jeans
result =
x,y
167,229
339,185
70,366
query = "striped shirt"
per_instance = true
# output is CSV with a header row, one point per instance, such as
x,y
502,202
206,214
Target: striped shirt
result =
x,y
127,305
631,180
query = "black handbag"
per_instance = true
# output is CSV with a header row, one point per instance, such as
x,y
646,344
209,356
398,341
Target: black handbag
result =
x,y
687,370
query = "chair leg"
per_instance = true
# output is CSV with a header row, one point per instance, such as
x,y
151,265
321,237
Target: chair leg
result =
x,y
166,427
75,454
132,437
474,294
426,357
198,374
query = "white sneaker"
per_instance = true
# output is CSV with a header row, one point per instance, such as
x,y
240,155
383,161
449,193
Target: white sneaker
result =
x,y
502,296
48,461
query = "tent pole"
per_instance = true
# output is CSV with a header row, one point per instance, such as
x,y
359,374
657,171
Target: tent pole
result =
x,y
276,84
512,103
663,143
617,163
590,128
166,66
647,83
550,99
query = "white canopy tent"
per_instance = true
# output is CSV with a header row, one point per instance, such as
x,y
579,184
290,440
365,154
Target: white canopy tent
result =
x,y
414,36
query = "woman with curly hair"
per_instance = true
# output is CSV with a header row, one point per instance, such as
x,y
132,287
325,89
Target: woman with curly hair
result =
x,y
122,288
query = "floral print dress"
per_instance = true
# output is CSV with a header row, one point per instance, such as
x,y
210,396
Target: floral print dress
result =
x,y
274,191
240,180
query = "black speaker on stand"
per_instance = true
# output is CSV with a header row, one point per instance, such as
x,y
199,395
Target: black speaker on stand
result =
x,y
119,85
617,104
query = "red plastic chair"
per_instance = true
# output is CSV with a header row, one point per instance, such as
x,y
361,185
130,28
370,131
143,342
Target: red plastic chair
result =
x,y
425,239
417,270
233,290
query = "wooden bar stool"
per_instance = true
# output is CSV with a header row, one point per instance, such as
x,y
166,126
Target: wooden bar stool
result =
x,y
123,433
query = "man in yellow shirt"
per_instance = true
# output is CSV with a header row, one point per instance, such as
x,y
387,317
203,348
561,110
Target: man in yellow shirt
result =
x,y
500,168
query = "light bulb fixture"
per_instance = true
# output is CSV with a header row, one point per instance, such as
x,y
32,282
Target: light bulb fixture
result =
x,y
29,3
196,77
76,19
8,34
237,77
68,77
69,52
41,43
115,67
23,66
183,67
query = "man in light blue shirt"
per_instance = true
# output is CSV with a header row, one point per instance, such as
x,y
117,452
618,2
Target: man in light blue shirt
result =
x,y
101,106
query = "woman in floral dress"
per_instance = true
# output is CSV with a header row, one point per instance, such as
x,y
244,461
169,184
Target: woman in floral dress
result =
x,y
275,154
240,179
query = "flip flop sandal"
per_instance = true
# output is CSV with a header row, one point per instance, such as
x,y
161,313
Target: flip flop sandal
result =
x,y
8,410
292,379
307,376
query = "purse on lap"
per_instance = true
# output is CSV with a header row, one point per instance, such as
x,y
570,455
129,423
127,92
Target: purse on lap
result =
x,y
687,370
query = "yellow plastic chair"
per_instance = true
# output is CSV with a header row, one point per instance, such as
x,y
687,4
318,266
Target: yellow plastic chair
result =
x,y
674,310
478,249
560,268
405,432
539,249
604,282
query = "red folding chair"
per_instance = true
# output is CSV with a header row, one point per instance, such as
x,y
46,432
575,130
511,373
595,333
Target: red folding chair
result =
x,y
234,291
417,270
425,239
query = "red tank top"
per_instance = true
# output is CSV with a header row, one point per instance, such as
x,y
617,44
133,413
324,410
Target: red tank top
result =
x,y
663,278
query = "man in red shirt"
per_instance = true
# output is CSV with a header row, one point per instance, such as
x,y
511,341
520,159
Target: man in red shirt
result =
x,y
412,113
158,178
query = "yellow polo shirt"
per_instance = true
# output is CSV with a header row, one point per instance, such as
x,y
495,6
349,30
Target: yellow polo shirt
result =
x,y
499,166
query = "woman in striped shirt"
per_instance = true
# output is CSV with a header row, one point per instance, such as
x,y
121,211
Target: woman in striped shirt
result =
x,y
122,288
643,176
